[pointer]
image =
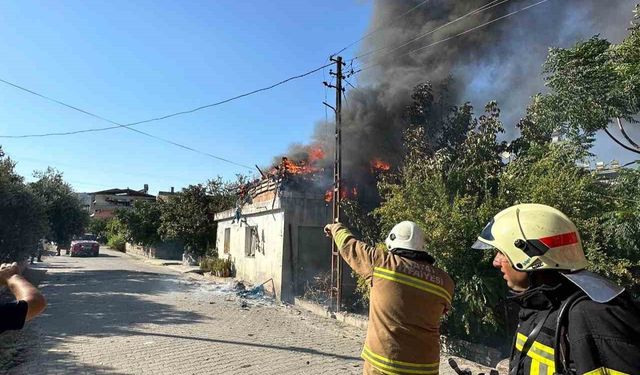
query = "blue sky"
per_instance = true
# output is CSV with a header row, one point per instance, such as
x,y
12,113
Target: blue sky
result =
x,y
129,61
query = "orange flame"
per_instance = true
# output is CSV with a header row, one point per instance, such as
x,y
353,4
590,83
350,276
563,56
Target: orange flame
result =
x,y
378,165
298,168
316,153
345,193
328,196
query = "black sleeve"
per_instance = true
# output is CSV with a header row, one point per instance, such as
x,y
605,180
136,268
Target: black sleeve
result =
x,y
13,315
604,337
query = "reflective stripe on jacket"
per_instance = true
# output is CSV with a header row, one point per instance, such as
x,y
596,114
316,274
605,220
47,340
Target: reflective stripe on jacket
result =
x,y
407,301
602,337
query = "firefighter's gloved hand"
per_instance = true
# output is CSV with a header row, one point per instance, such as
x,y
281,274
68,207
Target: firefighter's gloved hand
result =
x,y
330,229
454,366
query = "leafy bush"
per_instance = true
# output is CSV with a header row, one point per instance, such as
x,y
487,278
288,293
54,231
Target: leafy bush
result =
x,y
98,226
452,189
117,242
188,216
141,224
217,267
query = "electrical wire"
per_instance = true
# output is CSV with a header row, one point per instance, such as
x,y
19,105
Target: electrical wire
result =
x,y
119,125
481,25
88,183
487,6
128,126
625,135
379,28
352,86
190,148
113,127
464,32
21,159
620,143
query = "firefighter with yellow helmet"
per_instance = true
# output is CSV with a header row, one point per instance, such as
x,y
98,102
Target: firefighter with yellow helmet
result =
x,y
408,297
571,321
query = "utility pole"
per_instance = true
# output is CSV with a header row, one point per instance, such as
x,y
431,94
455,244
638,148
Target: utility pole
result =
x,y
336,261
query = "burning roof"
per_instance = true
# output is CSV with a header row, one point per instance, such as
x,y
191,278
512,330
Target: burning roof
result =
x,y
311,173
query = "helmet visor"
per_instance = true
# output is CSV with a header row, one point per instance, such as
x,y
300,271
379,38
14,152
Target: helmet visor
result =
x,y
480,245
486,232
485,237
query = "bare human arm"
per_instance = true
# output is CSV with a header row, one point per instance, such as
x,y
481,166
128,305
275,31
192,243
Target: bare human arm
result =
x,y
22,290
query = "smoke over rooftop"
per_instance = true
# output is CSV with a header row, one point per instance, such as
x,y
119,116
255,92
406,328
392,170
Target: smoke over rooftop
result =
x,y
499,62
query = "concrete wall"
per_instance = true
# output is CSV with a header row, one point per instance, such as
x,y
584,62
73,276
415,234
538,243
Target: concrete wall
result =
x,y
292,247
166,250
268,220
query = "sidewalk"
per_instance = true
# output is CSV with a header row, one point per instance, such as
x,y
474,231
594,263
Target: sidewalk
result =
x,y
475,354
172,264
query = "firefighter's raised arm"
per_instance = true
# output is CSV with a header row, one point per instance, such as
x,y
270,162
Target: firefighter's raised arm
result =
x,y
360,256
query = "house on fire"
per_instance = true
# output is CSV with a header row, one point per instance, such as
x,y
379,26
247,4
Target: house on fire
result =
x,y
276,232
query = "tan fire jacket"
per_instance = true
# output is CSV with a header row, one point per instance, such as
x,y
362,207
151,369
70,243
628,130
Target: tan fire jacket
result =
x,y
407,300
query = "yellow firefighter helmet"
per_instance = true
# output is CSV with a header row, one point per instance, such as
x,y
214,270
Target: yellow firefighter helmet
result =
x,y
534,237
537,237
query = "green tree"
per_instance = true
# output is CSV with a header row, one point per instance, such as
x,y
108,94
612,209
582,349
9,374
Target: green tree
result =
x,y
22,216
448,187
453,178
622,220
618,231
98,226
63,208
117,231
142,222
189,215
454,190
591,84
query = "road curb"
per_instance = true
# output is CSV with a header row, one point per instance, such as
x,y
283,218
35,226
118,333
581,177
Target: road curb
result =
x,y
480,354
355,320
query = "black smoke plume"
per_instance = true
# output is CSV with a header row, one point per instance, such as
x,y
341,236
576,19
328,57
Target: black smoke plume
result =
x,y
499,62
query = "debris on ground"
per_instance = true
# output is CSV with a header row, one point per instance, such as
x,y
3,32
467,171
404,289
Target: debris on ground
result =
x,y
239,286
253,293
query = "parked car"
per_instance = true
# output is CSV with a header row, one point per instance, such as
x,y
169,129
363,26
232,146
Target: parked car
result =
x,y
85,245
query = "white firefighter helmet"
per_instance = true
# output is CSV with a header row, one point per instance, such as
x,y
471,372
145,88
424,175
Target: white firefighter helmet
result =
x,y
538,237
406,235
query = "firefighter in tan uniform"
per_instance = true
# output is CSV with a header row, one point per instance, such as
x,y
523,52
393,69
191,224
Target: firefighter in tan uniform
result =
x,y
409,295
